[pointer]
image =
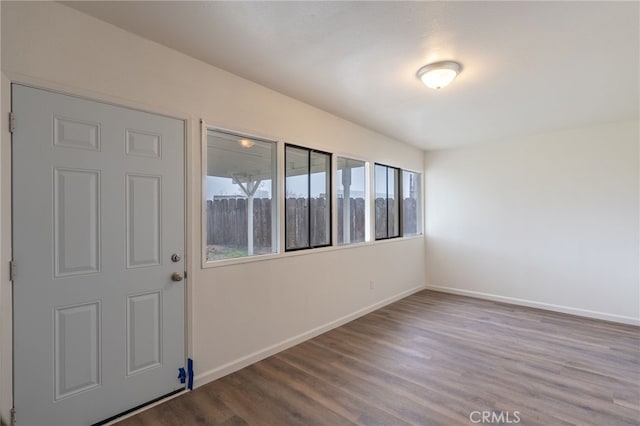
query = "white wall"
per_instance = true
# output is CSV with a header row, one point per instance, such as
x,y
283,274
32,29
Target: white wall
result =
x,y
549,221
242,312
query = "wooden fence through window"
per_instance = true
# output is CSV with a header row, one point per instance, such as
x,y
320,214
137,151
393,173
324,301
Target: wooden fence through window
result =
x,y
227,220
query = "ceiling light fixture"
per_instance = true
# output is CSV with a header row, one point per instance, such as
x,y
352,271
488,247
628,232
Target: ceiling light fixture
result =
x,y
439,74
246,143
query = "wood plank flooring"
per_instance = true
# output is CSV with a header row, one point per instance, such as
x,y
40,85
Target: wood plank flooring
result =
x,y
432,359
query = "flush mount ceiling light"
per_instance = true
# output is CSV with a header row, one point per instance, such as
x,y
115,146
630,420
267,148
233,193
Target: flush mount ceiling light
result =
x,y
439,74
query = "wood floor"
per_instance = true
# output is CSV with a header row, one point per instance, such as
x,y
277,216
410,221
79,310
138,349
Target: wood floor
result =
x,y
430,359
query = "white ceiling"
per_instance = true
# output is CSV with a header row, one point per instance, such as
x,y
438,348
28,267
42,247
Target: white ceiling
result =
x,y
529,67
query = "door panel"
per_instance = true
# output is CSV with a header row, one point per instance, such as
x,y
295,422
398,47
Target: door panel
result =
x,y
144,344
143,220
98,207
76,349
76,221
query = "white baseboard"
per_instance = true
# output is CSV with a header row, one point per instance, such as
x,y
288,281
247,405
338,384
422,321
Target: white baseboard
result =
x,y
540,305
216,373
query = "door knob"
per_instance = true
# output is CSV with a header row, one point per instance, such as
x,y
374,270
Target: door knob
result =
x,y
176,276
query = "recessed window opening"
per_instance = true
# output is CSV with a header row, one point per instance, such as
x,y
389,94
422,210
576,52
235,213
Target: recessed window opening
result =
x,y
241,215
351,184
411,203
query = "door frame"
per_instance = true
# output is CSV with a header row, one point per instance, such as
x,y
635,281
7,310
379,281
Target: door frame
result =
x,y
191,124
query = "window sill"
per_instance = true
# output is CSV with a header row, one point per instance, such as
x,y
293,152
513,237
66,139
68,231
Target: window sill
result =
x,y
307,252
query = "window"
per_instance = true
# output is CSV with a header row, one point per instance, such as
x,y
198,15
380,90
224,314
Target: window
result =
x,y
411,204
240,215
387,189
352,200
307,198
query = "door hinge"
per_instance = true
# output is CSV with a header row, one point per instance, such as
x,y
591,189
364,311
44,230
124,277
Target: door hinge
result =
x,y
12,270
13,417
12,122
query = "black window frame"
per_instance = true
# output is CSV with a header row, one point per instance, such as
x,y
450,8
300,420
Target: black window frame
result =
x,y
397,200
328,195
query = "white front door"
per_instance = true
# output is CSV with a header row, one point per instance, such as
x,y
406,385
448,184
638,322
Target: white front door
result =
x,y
98,214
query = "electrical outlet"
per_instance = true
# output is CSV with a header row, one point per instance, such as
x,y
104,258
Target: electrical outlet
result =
x,y
372,285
